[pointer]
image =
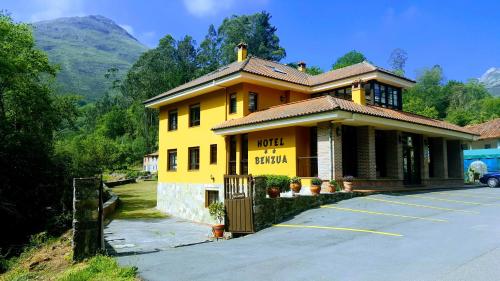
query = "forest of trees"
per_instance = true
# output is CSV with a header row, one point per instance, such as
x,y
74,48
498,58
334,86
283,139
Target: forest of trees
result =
x,y
47,139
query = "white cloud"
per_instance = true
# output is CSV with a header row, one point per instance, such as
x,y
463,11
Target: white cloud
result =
x,y
202,8
50,9
127,28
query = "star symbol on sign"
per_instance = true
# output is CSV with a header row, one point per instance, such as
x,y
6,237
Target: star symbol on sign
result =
x,y
265,151
274,151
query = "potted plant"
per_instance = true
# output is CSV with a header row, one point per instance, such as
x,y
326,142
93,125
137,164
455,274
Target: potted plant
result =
x,y
316,186
276,184
332,187
295,184
217,211
348,183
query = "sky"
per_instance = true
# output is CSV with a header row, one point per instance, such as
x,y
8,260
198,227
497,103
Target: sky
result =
x,y
461,36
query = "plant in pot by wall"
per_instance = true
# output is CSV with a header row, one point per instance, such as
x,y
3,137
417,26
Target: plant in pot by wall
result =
x,y
332,187
276,184
316,186
347,181
295,184
217,211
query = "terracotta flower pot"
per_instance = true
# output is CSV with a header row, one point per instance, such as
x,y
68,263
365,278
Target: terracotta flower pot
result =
x,y
218,230
348,186
296,187
315,189
273,192
332,188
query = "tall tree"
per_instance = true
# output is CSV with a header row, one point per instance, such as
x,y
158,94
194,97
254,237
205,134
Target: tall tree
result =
x,y
256,30
209,57
465,101
427,96
158,70
31,180
457,102
349,58
397,60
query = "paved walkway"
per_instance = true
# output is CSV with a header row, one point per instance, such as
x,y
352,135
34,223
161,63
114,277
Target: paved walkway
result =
x,y
136,236
442,235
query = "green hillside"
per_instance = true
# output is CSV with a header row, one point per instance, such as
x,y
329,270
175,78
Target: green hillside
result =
x,y
85,48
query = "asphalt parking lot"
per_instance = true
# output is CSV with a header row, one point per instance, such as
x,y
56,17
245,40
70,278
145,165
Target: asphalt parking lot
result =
x,y
439,235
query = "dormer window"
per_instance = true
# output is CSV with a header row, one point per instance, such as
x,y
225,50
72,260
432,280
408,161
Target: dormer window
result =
x,y
386,95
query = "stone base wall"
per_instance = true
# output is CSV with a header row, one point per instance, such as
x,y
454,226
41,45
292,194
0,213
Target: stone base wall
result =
x,y
444,182
381,184
377,183
185,200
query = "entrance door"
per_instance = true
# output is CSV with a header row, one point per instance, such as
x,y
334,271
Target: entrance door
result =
x,y
411,159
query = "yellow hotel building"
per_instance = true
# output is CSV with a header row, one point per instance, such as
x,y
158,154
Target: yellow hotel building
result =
x,y
256,117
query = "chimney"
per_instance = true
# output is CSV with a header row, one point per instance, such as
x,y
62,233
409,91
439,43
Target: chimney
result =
x,y
301,66
242,51
358,92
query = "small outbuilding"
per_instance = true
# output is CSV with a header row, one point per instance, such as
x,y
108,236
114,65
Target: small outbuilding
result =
x,y
150,162
485,151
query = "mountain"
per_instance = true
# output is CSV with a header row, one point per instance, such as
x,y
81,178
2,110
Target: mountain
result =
x,y
491,79
85,48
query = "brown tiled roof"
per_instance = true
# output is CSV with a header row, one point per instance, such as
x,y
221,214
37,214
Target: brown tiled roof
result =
x,y
328,103
219,73
355,69
277,71
487,130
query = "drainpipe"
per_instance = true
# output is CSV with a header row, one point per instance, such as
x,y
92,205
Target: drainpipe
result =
x,y
331,150
225,119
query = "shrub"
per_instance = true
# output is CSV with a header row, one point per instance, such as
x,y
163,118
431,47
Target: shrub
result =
x,y
217,211
316,181
295,180
279,181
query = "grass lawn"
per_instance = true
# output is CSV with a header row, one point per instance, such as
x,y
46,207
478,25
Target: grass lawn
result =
x,y
51,260
137,201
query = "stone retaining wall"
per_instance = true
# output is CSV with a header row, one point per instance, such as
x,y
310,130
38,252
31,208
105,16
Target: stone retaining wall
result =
x,y
87,237
119,182
269,211
109,207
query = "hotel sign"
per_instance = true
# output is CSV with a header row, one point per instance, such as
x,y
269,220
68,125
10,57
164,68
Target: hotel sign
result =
x,y
270,157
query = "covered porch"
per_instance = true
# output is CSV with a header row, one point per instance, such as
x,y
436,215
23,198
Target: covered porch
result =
x,y
332,138
381,157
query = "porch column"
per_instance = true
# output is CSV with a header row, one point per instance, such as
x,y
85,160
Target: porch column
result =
x,y
338,172
439,157
455,159
325,163
329,151
367,165
424,155
394,150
